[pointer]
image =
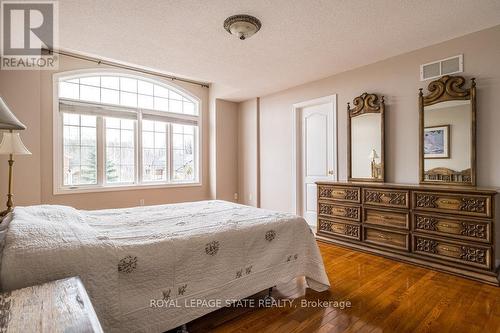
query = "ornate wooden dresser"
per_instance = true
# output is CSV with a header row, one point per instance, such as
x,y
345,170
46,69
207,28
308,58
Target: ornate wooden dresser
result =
x,y
449,229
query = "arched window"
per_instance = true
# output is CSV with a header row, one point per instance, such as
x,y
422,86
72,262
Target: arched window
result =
x,y
117,130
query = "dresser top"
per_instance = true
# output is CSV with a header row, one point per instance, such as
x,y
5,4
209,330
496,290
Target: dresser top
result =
x,y
57,306
435,188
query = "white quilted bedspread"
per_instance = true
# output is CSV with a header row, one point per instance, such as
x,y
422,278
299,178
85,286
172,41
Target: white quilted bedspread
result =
x,y
180,252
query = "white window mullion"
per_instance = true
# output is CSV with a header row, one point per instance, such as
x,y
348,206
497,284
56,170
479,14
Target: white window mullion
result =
x,y
138,149
168,177
101,151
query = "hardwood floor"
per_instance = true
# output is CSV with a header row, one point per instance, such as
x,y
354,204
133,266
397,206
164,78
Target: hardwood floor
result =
x,y
385,296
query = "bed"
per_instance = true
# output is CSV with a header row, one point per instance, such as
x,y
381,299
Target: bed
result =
x,y
150,269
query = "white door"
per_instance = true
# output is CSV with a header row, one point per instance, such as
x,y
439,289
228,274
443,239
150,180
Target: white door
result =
x,y
318,158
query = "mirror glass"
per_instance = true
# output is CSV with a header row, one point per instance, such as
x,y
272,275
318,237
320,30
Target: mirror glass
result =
x,y
447,142
366,146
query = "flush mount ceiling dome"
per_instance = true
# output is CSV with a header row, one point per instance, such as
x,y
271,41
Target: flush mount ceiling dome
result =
x,y
243,26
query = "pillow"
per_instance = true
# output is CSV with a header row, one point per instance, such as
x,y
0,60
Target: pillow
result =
x,y
4,225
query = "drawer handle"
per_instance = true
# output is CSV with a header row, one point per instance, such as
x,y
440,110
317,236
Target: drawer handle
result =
x,y
384,237
338,192
446,225
448,202
448,249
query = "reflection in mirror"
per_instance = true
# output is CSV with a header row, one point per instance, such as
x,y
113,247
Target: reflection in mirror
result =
x,y
447,130
366,138
447,141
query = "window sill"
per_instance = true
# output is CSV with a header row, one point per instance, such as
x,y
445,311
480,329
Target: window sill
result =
x,y
114,188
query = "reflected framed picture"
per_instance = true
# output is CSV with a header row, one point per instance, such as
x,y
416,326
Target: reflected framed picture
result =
x,y
437,141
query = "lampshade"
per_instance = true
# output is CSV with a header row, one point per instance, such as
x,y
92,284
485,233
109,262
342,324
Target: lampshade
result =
x,y
7,118
12,144
373,154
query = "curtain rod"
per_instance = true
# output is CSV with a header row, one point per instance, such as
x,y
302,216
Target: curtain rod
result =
x,y
118,65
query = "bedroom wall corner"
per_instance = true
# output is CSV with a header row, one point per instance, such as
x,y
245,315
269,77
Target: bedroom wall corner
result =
x,y
248,162
226,150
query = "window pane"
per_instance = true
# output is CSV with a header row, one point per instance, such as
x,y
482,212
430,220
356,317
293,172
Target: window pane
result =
x,y
127,138
127,174
120,150
91,94
127,123
127,156
175,106
88,155
110,96
113,137
145,88
174,95
128,84
145,102
160,91
88,175
128,99
69,90
111,82
88,137
184,148
189,108
79,150
160,140
91,81
178,142
73,137
71,119
112,123
148,140
160,126
147,125
161,104
88,120
154,155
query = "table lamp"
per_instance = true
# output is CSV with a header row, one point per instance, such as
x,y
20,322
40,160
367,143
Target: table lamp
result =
x,y
11,144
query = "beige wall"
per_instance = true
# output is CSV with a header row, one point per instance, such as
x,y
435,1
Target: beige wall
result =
x,y
226,168
30,96
248,152
398,80
21,92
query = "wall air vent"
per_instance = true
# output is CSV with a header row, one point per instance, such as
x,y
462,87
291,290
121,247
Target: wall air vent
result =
x,y
442,67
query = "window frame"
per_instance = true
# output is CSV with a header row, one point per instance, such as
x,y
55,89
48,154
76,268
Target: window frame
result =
x,y
139,183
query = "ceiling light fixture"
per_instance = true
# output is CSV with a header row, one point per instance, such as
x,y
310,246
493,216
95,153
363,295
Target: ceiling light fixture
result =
x,y
243,26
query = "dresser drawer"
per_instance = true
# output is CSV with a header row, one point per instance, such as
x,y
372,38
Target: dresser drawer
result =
x,y
329,209
386,198
386,238
387,218
457,227
339,228
463,253
464,204
339,193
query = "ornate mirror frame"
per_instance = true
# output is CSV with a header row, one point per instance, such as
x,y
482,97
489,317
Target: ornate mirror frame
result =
x,y
448,88
366,103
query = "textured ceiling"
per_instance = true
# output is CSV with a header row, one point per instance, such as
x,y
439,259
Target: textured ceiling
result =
x,y
300,40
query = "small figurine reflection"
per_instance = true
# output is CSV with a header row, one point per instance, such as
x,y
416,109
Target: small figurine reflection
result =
x,y
375,167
